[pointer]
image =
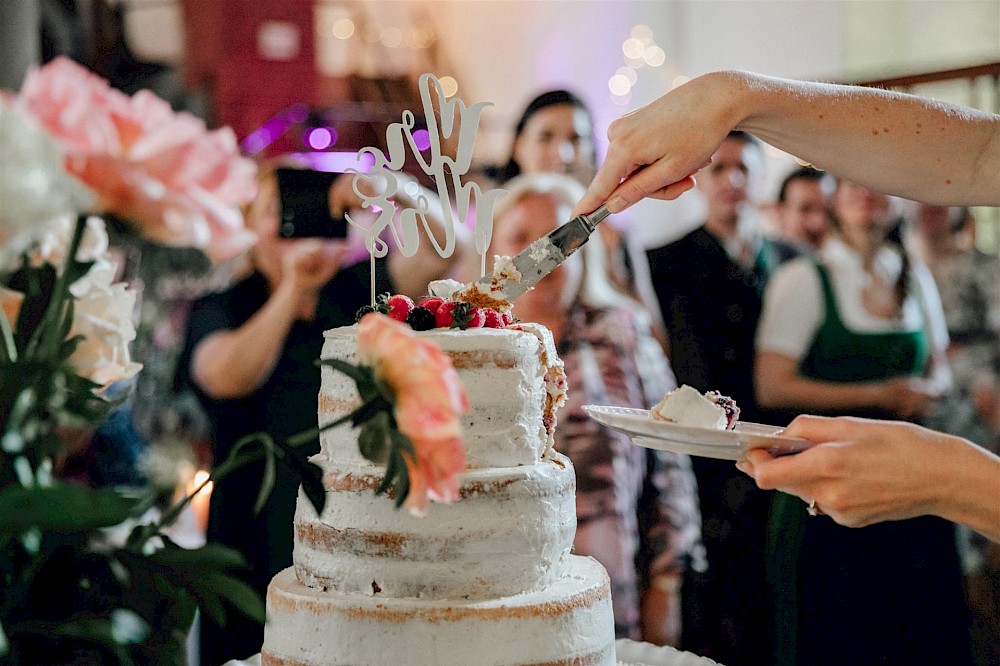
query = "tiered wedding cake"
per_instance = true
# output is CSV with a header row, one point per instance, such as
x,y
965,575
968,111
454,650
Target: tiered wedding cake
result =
x,y
488,579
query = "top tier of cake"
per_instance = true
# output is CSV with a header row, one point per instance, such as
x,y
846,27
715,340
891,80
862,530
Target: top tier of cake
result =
x,y
513,378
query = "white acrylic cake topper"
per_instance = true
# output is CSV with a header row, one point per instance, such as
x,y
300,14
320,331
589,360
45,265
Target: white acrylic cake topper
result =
x,y
446,172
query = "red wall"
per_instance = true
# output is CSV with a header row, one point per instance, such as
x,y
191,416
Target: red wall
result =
x,y
225,56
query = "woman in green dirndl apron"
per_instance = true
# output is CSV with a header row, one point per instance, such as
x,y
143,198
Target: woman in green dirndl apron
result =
x,y
845,334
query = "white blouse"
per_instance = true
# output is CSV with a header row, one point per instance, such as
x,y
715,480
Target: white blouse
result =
x,y
794,307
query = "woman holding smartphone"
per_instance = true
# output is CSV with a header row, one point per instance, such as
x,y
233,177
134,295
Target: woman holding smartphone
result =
x,y
251,353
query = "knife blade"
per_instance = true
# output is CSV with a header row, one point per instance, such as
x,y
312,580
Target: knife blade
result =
x,y
543,256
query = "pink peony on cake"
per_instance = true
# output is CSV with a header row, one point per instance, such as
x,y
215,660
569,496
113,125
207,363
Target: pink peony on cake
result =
x,y
486,580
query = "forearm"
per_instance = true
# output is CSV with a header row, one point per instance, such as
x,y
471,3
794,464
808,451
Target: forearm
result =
x,y
895,143
233,364
660,612
811,395
970,482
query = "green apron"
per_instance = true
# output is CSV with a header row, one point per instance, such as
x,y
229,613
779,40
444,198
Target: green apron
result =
x,y
840,355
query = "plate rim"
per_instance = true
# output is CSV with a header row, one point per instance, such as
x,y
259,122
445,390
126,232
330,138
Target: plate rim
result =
x,y
732,444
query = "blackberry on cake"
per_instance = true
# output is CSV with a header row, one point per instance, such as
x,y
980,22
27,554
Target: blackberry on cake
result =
x,y
362,311
421,319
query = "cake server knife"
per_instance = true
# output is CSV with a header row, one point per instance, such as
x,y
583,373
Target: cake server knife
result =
x,y
545,254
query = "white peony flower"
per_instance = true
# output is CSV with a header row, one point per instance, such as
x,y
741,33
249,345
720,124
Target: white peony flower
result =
x,y
53,245
34,186
103,315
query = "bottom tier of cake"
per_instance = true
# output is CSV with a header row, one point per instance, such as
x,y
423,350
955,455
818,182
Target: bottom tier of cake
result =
x,y
567,623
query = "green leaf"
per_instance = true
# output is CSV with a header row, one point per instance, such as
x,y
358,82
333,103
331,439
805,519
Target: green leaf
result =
x,y
391,470
206,574
400,444
373,442
311,476
382,303
359,373
374,407
211,554
92,629
266,482
461,315
238,594
295,460
65,507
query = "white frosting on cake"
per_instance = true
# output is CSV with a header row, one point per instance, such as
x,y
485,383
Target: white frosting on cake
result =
x,y
513,379
510,531
568,622
485,580
444,288
687,406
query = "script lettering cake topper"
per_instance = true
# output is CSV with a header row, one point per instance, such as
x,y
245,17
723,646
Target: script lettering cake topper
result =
x,y
445,171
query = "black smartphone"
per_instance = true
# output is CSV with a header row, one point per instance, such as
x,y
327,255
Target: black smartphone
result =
x,y
304,197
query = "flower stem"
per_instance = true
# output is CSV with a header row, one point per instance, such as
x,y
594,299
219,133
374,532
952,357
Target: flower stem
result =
x,y
237,458
57,301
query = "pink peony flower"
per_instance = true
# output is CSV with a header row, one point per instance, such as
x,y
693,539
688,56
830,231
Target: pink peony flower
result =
x,y
429,398
163,171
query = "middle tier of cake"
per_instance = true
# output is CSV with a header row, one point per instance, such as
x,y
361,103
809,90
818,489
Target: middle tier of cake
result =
x,y
510,532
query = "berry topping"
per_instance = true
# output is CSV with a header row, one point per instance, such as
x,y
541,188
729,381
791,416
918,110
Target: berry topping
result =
x,y
477,318
465,315
382,303
443,316
508,318
493,319
432,303
362,311
421,319
399,306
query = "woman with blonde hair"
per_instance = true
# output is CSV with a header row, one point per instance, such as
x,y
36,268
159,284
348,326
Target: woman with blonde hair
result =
x,y
636,508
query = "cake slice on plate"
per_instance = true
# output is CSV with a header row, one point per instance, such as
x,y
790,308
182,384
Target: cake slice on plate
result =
x,y
686,406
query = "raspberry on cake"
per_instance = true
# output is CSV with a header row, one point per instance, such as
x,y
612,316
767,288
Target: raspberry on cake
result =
x,y
689,407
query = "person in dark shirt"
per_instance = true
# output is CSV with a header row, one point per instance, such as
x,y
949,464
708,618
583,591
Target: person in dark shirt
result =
x,y
709,285
250,357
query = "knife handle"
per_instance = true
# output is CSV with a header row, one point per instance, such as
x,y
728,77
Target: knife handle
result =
x,y
570,236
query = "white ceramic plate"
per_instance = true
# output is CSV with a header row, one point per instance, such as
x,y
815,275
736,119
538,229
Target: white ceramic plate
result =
x,y
706,442
634,653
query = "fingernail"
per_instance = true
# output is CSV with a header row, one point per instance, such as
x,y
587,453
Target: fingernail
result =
x,y
616,204
743,466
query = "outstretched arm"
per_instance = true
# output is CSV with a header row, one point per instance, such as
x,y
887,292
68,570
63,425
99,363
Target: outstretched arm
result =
x,y
899,144
864,471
